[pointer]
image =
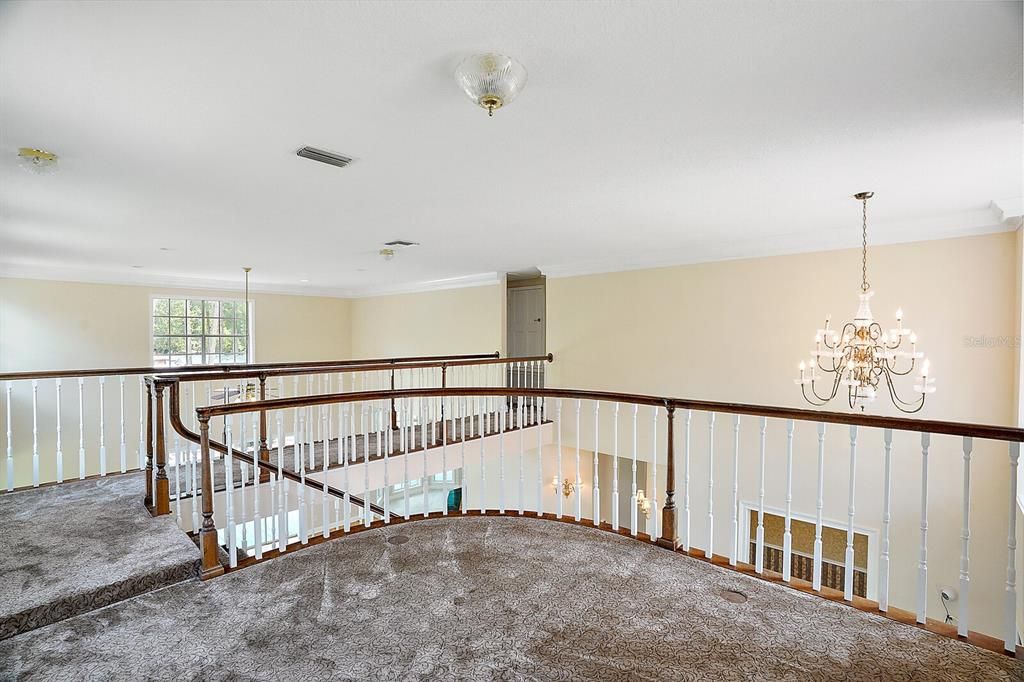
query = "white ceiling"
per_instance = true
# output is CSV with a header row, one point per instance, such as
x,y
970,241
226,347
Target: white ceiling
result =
x,y
648,133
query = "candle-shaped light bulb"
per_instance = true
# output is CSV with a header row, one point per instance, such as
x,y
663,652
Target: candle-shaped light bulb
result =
x,y
828,318
554,481
913,339
803,366
925,367
899,314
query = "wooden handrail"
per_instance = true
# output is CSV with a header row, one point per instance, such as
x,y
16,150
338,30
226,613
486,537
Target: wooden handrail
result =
x,y
181,429
231,369
375,367
987,431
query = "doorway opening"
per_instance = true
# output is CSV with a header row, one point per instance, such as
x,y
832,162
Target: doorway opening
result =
x,y
526,317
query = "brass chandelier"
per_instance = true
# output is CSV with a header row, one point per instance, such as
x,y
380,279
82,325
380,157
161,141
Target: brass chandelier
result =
x,y
861,356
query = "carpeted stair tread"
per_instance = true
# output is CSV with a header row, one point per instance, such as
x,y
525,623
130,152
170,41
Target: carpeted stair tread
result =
x,y
70,548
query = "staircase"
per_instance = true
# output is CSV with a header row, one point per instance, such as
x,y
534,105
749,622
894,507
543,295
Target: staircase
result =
x,y
71,548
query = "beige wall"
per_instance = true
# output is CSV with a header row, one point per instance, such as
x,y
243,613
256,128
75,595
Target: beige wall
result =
x,y
452,321
735,331
48,325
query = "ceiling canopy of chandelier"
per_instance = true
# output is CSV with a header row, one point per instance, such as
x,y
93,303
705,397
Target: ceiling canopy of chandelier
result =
x,y
861,356
491,80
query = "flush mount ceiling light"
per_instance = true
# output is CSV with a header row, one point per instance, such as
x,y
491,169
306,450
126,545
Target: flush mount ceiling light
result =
x,y
861,356
491,80
37,161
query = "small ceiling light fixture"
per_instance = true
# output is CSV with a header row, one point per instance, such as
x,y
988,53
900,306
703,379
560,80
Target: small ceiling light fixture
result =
x,y
37,161
387,254
861,356
491,80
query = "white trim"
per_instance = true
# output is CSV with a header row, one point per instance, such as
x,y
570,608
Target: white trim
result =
x,y
872,534
463,282
977,223
62,274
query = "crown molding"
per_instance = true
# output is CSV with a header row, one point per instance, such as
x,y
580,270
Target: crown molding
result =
x,y
89,276
463,282
966,224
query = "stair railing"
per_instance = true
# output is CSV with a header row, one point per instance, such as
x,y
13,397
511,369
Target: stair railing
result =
x,y
554,465
82,423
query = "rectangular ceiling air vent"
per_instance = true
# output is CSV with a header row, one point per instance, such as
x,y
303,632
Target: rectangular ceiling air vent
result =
x,y
400,244
322,156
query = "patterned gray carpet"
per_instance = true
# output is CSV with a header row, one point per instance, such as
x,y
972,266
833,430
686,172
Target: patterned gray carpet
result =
x,y
75,547
480,598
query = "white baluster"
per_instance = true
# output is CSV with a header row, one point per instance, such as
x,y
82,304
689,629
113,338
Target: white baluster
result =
x,y
444,450
522,454
324,506
710,551
282,513
346,506
229,477
579,480
465,480
303,513
387,477
424,418
10,441
633,488
103,446
538,407
81,430
142,428
734,552
177,484
848,583
686,482
965,539
558,479
35,433
787,535
816,579
60,445
363,416
759,537
483,475
615,467
501,461
597,486
922,562
124,444
654,518
1010,625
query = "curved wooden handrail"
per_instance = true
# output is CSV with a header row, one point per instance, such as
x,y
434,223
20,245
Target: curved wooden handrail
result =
x,y
987,431
185,432
227,369
377,367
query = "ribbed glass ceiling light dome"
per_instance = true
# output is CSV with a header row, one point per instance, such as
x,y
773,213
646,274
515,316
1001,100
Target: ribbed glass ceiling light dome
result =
x,y
491,80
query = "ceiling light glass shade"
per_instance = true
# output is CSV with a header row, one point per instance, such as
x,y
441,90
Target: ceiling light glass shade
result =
x,y
37,160
491,80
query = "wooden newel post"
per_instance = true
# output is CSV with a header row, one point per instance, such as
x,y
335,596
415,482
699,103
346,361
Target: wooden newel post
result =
x,y
149,444
264,451
211,566
162,493
668,538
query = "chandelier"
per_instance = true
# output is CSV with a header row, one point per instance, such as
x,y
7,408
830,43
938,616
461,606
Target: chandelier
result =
x,y
861,356
491,80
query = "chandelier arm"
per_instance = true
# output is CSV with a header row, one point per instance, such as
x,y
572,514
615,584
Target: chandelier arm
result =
x,y
818,402
903,374
835,389
899,402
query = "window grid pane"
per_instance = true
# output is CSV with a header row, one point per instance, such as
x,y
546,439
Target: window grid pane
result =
x,y
199,332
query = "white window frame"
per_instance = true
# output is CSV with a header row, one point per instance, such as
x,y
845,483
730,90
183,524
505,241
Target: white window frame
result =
x,y
207,296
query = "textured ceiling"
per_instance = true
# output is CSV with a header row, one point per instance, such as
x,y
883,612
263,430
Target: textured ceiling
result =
x,y
648,133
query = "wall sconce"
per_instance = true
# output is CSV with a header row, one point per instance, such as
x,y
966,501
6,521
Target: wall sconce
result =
x,y
568,488
644,503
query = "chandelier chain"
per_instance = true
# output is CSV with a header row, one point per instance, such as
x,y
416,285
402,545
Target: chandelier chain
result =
x,y
864,247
